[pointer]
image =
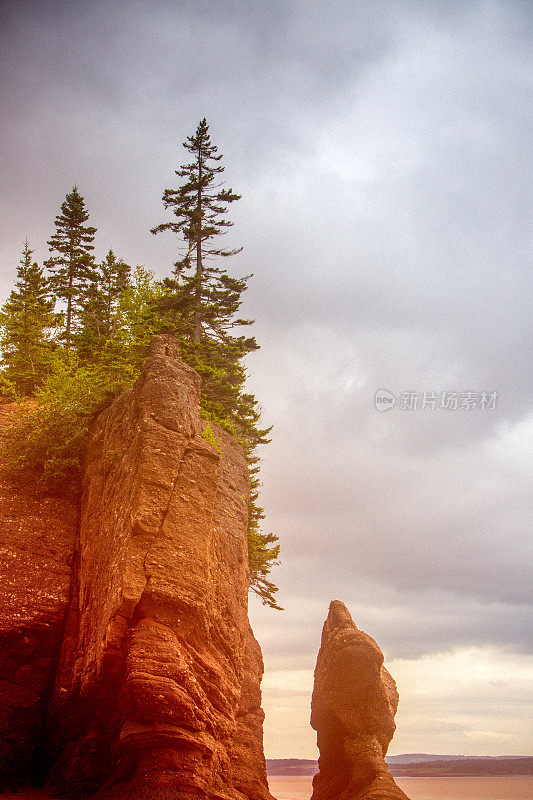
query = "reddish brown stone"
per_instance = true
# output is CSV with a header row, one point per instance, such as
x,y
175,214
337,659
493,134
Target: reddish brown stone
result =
x,y
157,689
37,538
353,707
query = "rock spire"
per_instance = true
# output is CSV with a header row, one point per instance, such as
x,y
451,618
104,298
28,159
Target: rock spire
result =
x,y
353,707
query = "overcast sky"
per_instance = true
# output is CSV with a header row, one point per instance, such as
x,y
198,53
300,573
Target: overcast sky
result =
x,y
382,150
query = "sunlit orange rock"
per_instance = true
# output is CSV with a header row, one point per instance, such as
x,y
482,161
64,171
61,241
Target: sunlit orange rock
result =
x,y
157,690
145,670
353,707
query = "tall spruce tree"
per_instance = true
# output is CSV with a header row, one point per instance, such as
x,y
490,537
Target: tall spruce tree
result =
x,y
201,300
200,306
26,319
71,263
206,297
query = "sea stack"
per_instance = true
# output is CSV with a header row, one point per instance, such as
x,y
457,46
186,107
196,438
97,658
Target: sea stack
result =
x,y
353,707
129,668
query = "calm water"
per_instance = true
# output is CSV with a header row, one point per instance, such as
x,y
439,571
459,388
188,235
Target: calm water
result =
x,y
506,788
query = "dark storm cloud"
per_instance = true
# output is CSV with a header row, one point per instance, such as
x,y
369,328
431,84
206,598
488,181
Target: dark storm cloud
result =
x,y
383,153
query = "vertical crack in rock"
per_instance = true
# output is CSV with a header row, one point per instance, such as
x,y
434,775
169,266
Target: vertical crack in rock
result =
x,y
164,514
157,691
352,710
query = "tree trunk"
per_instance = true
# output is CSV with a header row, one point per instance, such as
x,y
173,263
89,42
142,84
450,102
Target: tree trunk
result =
x,y
197,332
69,304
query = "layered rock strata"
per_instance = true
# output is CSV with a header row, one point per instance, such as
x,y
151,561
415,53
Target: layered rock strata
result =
x,y
352,710
156,689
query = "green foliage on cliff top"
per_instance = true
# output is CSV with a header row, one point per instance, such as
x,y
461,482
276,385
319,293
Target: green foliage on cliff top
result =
x,y
25,321
73,340
45,438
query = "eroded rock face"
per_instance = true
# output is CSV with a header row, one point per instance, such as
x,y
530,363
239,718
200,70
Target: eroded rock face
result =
x,y
157,688
37,538
353,707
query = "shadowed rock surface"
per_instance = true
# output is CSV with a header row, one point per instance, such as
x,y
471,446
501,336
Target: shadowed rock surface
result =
x,y
156,693
353,707
37,538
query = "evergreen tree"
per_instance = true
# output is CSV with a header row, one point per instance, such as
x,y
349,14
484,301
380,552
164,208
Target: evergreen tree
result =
x,y
100,306
115,277
134,323
138,320
25,322
201,300
200,306
205,296
71,264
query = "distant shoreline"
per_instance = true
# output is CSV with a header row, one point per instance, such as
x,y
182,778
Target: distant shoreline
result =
x,y
427,766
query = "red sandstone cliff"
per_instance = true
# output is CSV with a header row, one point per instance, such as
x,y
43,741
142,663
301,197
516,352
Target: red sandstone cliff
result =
x,y
156,689
128,669
353,707
37,538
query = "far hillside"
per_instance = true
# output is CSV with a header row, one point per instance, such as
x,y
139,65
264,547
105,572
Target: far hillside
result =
x,y
422,765
465,767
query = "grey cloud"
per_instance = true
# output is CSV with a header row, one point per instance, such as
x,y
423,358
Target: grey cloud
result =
x,y
450,521
382,151
406,624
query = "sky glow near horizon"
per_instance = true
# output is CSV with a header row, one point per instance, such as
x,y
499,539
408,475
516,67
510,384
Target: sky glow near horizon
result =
x,y
383,154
